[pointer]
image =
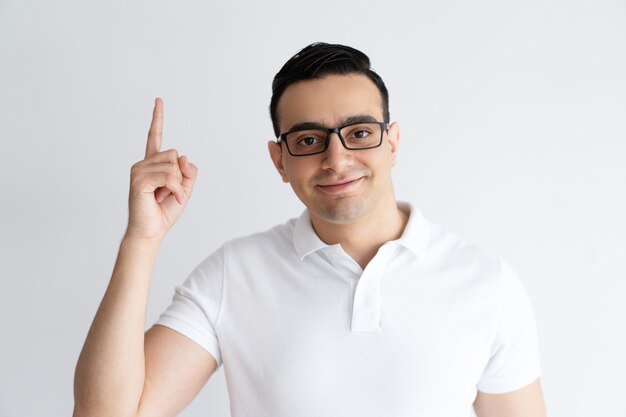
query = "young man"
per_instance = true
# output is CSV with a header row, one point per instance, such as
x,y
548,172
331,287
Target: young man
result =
x,y
360,307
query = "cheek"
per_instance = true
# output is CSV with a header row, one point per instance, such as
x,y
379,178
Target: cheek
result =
x,y
381,168
298,171
388,159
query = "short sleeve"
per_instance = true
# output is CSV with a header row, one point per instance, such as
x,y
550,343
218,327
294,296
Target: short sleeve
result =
x,y
514,359
195,307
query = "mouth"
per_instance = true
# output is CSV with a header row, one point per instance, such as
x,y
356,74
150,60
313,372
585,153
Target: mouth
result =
x,y
340,187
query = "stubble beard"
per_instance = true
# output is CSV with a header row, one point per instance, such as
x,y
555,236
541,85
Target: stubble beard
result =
x,y
343,211
348,208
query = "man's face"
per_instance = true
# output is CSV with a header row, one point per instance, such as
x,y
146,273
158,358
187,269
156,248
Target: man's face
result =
x,y
339,185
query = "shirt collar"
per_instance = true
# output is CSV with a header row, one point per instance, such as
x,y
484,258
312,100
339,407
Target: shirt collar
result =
x,y
415,237
305,240
416,234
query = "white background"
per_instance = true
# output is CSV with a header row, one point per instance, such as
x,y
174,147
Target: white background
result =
x,y
513,121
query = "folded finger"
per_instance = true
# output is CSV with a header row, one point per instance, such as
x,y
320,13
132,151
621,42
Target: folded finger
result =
x,y
170,156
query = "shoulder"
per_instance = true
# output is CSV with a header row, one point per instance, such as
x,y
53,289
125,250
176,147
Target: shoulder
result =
x,y
245,250
277,239
451,248
469,264
442,249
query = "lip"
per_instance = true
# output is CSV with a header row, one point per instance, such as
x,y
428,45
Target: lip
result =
x,y
343,186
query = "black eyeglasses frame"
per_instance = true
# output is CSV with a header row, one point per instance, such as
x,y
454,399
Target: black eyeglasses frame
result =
x,y
282,138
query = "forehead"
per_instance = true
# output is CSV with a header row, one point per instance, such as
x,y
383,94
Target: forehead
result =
x,y
329,100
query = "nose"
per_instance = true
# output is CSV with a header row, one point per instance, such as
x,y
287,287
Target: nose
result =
x,y
336,156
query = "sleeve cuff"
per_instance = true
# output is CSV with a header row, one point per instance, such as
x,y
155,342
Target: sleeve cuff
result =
x,y
208,342
508,383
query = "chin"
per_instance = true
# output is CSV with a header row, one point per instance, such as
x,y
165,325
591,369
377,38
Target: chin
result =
x,y
342,211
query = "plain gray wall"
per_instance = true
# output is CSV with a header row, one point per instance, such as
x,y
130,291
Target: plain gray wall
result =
x,y
513,122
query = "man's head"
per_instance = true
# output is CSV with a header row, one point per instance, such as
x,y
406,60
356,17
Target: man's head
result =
x,y
342,183
318,60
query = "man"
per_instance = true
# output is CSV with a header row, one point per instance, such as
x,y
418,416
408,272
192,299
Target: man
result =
x,y
360,307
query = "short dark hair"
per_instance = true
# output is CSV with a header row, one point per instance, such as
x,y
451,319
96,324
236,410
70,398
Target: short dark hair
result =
x,y
318,60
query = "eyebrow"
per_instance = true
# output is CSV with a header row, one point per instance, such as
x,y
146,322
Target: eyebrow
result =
x,y
359,118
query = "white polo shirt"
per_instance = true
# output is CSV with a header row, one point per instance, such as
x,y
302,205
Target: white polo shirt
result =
x,y
303,331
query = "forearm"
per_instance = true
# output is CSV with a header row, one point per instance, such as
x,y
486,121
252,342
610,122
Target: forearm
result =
x,y
110,371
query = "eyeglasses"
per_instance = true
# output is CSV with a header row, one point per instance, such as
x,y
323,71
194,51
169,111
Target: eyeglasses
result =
x,y
354,136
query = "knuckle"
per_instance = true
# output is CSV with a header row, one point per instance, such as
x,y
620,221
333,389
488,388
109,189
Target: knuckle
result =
x,y
135,170
172,154
174,171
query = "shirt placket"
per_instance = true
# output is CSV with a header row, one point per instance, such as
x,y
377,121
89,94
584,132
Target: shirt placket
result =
x,y
367,304
366,300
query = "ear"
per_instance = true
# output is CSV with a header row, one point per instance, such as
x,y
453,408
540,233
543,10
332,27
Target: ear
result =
x,y
276,154
393,136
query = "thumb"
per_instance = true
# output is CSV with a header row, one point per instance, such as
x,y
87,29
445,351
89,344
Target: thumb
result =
x,y
190,173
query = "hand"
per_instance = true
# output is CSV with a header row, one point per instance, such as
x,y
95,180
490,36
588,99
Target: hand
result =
x,y
160,185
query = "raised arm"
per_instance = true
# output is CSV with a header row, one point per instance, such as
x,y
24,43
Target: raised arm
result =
x,y
121,372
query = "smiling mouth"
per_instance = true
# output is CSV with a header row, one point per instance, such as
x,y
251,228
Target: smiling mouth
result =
x,y
340,187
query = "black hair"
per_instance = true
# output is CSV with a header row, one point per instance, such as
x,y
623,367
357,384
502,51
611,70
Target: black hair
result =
x,y
318,60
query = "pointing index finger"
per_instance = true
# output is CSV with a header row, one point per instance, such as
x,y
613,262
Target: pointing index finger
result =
x,y
155,135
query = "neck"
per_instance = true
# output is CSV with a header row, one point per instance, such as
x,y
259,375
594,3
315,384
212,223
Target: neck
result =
x,y
362,238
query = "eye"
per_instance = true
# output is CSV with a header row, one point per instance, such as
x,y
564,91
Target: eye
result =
x,y
360,134
307,141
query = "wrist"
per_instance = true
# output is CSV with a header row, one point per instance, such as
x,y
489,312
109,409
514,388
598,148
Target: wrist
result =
x,y
138,242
